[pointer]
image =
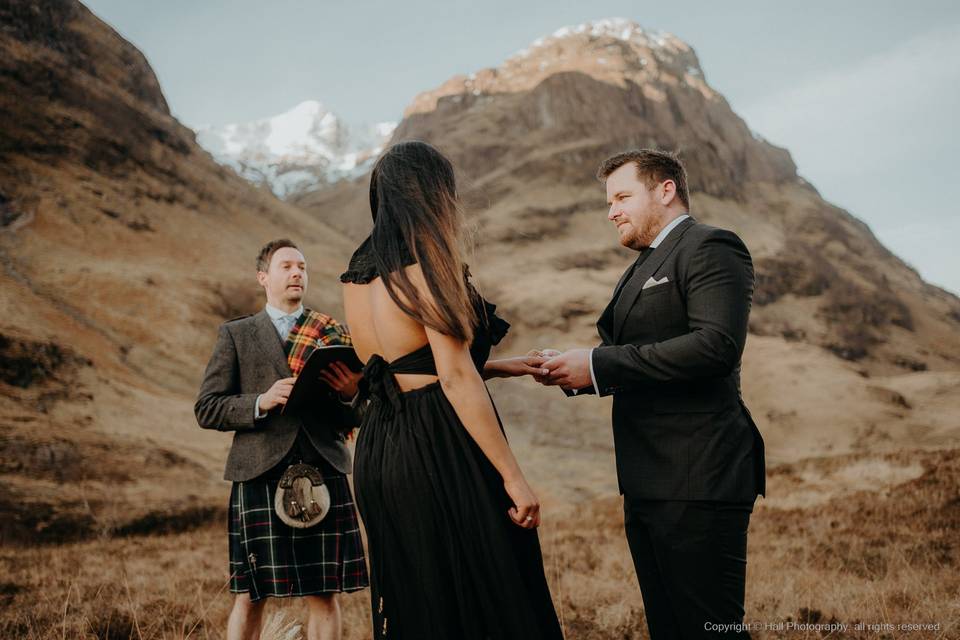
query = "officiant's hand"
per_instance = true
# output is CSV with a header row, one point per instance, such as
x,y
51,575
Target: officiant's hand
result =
x,y
341,379
277,394
570,369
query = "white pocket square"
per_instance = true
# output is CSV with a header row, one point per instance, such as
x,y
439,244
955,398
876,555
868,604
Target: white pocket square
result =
x,y
653,283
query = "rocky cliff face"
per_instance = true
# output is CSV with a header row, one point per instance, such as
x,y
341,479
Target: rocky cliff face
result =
x,y
836,315
605,82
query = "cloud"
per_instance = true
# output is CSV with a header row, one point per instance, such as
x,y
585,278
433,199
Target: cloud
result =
x,y
908,95
880,138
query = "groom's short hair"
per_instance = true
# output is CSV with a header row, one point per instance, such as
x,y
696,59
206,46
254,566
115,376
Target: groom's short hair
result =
x,y
653,167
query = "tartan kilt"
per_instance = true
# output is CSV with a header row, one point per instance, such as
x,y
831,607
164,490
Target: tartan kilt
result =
x,y
270,558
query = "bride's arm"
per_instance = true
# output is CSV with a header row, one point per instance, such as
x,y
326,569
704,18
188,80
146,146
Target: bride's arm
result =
x,y
514,367
464,389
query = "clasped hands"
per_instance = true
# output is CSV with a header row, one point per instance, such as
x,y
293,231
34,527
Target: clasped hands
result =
x,y
565,369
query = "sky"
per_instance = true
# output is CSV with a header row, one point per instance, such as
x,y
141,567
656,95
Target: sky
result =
x,y
863,95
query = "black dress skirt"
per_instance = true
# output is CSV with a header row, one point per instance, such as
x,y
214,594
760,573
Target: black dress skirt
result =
x,y
446,560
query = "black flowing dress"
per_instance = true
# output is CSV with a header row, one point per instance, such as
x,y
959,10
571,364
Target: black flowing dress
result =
x,y
446,560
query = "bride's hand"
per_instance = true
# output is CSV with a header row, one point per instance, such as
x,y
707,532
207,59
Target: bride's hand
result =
x,y
517,366
546,353
526,509
542,355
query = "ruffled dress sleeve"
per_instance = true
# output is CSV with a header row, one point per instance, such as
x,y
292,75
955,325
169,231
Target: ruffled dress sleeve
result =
x,y
491,328
362,268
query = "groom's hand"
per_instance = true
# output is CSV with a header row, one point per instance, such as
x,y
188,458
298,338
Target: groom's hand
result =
x,y
546,354
569,370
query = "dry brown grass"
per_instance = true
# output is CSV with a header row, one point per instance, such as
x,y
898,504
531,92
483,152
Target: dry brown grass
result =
x,y
160,587
884,553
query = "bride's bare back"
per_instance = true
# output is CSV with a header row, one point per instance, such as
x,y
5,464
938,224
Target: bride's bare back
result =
x,y
378,325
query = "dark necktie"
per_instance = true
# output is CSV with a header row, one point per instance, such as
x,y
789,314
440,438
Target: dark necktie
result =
x,y
644,254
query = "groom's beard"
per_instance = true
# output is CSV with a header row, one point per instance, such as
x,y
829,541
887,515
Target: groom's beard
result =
x,y
640,238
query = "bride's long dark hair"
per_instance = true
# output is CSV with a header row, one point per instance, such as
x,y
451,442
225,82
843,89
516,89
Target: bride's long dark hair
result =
x,y
413,200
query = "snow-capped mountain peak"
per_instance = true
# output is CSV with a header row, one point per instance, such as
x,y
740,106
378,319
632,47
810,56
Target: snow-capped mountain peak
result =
x,y
298,150
619,28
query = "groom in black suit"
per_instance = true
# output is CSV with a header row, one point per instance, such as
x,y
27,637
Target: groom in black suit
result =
x,y
690,460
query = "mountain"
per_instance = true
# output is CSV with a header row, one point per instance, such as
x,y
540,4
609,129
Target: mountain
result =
x,y
301,149
122,246
849,349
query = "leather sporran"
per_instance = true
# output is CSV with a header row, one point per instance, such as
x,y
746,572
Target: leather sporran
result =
x,y
302,499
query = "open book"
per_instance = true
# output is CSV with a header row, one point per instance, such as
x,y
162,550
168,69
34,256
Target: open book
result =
x,y
311,395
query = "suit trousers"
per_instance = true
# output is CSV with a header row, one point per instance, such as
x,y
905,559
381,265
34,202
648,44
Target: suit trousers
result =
x,y
691,562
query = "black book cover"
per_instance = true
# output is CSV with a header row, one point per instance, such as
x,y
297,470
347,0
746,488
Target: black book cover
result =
x,y
312,395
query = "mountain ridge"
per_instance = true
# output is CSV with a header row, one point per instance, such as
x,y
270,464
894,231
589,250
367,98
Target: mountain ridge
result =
x,y
123,244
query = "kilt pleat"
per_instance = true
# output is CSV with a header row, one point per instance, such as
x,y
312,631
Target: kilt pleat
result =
x,y
269,558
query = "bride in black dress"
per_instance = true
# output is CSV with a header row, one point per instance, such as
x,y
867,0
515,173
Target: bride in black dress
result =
x,y
450,519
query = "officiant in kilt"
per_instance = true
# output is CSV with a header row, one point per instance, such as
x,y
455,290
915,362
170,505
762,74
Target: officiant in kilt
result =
x,y
246,384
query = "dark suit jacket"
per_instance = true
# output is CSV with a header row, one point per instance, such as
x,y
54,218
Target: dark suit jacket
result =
x,y
247,359
671,358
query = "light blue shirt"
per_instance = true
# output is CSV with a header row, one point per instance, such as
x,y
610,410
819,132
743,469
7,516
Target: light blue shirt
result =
x,y
653,245
282,320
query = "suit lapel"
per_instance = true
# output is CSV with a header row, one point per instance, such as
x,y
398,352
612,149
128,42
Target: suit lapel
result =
x,y
268,342
634,285
605,322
